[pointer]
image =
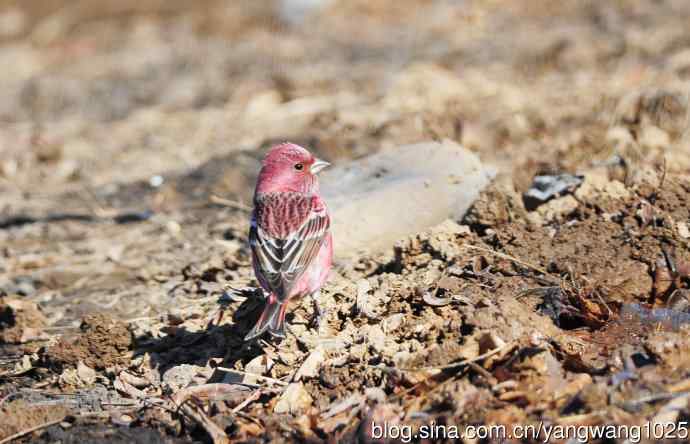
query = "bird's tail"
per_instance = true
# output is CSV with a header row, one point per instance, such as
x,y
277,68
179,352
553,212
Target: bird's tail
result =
x,y
272,320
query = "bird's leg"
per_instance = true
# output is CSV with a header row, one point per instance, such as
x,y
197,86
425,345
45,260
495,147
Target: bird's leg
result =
x,y
318,310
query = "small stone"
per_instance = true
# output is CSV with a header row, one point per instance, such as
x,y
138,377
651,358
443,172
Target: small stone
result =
x,y
557,208
547,187
287,358
364,303
392,322
311,366
401,358
376,338
295,399
86,373
597,183
69,377
257,366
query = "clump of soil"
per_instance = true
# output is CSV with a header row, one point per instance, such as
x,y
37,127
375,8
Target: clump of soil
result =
x,y
20,320
103,342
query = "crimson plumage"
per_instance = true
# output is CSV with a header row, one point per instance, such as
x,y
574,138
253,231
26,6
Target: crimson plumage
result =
x,y
291,245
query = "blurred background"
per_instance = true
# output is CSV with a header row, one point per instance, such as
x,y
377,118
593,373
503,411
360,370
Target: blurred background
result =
x,y
100,93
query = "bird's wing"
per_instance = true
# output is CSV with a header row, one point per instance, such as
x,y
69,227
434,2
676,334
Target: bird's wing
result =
x,y
280,260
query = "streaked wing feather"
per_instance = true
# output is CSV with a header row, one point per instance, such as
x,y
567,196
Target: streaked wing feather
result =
x,y
281,262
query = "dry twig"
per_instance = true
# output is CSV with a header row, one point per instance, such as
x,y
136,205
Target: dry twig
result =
x,y
210,392
251,398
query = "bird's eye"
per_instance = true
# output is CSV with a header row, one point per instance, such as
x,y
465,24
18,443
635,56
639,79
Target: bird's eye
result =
x,y
299,166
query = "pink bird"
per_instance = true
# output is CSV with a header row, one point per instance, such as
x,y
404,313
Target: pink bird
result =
x,y
292,248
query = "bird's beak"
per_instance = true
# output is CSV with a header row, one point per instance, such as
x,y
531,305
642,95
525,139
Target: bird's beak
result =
x,y
318,165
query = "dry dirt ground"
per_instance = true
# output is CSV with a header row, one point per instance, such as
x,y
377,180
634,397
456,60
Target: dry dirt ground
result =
x,y
129,139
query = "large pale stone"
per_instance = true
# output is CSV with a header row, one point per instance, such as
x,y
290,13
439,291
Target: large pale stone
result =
x,y
385,197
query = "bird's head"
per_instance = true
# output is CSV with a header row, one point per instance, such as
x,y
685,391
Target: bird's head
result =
x,y
289,167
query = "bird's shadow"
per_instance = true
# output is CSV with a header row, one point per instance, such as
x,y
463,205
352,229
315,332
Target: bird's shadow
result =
x,y
217,340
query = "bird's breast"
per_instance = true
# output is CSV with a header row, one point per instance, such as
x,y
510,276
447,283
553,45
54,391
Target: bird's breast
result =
x,y
280,214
